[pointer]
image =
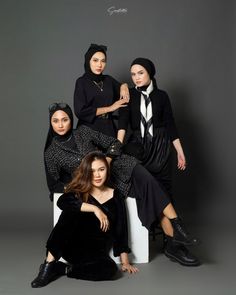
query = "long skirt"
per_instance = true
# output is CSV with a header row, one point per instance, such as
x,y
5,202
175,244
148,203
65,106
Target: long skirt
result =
x,y
150,197
155,156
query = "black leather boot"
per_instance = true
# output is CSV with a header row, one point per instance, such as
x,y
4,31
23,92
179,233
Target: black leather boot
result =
x,y
179,253
181,236
48,272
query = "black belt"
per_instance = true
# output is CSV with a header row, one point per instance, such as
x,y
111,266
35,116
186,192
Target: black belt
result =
x,y
104,116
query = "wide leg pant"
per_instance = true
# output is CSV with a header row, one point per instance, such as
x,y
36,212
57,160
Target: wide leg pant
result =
x,y
78,239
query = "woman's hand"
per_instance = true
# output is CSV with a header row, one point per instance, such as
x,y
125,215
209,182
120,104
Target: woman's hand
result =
x,y
181,161
125,265
129,268
180,154
124,91
119,104
104,222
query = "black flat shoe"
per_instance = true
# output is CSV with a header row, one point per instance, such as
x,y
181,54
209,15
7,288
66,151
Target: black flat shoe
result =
x,y
48,272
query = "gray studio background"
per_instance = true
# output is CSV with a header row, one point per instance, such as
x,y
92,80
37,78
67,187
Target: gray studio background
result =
x,y
42,51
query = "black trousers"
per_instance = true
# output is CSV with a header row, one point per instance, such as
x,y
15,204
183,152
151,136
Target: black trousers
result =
x,y
78,239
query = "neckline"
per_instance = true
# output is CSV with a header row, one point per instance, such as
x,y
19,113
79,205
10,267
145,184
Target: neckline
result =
x,y
104,201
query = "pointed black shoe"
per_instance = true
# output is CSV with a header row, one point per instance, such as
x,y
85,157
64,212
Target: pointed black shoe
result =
x,y
48,272
181,236
179,253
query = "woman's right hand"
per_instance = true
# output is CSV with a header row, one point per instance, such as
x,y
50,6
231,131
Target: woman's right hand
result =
x,y
104,222
119,104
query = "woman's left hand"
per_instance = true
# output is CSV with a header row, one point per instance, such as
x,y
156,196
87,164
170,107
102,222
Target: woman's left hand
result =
x,y
129,268
124,91
180,154
181,161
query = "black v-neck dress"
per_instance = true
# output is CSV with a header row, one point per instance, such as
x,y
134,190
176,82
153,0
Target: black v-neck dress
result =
x,y
77,237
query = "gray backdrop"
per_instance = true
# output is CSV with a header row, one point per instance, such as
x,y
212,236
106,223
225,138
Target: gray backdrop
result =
x,y
42,51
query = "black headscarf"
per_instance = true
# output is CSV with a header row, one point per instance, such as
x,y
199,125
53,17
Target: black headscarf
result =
x,y
88,55
148,65
51,133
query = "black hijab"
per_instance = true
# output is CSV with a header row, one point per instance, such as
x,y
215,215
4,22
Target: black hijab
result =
x,y
149,66
51,133
88,55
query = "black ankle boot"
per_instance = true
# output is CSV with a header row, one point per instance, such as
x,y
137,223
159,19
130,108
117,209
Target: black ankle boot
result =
x,y
181,236
179,253
48,272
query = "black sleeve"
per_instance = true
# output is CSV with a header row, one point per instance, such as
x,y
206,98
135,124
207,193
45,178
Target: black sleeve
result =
x,y
68,202
124,117
55,185
121,228
116,88
169,119
109,145
84,111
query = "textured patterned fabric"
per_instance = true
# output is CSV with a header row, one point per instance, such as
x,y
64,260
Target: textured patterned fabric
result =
x,y
60,158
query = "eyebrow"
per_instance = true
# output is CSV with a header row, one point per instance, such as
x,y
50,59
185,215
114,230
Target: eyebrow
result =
x,y
99,167
96,58
61,118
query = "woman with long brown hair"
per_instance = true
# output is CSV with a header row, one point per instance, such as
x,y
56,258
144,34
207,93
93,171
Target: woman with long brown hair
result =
x,y
93,220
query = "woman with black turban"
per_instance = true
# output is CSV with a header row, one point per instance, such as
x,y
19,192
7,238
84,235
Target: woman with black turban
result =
x,y
152,132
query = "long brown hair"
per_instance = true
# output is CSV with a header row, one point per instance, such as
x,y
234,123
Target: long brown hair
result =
x,y
81,183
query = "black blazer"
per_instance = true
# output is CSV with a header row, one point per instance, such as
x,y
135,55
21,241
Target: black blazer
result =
x,y
161,108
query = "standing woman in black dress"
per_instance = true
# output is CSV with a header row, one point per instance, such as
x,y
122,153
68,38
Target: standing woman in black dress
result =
x,y
98,96
152,131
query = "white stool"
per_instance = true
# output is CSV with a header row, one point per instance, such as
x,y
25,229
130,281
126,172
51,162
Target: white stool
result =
x,y
138,234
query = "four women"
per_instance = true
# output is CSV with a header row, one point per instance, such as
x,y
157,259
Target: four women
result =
x,y
153,129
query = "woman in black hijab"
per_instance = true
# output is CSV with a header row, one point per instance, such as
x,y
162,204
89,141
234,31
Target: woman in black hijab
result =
x,y
97,97
152,132
51,133
152,124
65,136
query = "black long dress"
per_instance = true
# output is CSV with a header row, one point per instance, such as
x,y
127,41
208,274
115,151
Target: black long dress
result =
x,y
77,237
88,96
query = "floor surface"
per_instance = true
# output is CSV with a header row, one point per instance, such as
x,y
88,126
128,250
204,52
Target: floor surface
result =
x,y
23,251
